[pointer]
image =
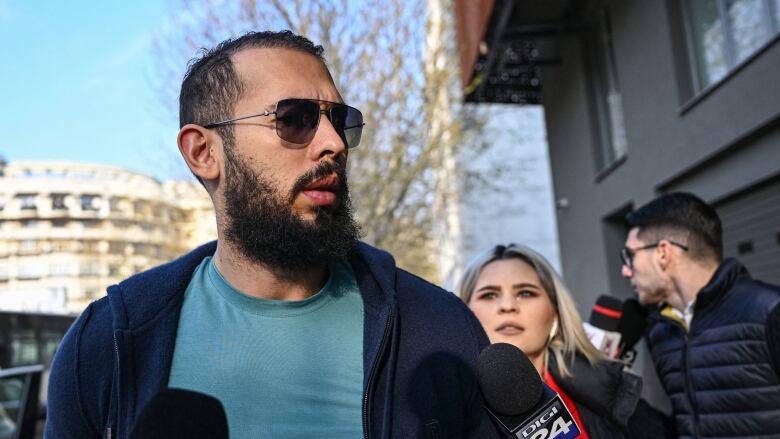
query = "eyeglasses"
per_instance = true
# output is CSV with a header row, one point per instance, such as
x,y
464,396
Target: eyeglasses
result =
x,y
297,120
627,254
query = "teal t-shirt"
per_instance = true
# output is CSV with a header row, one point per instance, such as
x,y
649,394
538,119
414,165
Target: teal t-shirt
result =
x,y
282,369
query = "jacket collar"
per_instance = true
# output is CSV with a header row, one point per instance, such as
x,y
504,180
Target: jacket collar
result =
x,y
727,274
133,307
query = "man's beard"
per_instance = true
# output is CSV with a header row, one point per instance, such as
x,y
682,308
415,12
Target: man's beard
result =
x,y
261,225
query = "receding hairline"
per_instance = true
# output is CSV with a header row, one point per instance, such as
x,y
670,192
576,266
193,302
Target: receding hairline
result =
x,y
253,51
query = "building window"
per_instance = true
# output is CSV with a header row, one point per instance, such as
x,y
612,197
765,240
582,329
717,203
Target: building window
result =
x,y
723,33
116,248
90,202
610,128
28,246
60,246
24,347
59,223
29,272
139,207
58,201
90,246
60,269
90,224
90,268
139,249
26,201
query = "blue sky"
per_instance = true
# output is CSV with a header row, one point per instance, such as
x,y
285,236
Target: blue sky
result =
x,y
76,84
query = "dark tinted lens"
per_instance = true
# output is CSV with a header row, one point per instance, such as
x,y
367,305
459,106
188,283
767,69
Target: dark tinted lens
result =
x,y
297,120
348,122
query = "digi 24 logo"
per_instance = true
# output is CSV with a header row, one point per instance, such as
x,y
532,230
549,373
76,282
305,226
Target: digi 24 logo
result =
x,y
553,421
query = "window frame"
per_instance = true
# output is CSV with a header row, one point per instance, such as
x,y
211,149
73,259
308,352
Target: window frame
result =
x,y
771,22
602,65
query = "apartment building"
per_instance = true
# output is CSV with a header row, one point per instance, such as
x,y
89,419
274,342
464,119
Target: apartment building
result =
x,y
69,230
640,98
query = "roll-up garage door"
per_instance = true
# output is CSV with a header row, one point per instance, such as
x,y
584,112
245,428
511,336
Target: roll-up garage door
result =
x,y
751,229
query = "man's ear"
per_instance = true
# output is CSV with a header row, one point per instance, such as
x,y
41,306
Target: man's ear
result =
x,y
201,150
664,253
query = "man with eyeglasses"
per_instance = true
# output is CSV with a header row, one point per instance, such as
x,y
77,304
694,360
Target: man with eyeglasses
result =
x,y
299,329
715,338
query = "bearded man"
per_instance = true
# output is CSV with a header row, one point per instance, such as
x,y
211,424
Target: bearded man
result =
x,y
295,326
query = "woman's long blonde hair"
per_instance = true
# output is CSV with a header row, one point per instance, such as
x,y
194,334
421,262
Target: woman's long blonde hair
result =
x,y
570,338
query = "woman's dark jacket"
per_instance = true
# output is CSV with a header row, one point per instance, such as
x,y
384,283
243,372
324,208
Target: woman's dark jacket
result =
x,y
608,400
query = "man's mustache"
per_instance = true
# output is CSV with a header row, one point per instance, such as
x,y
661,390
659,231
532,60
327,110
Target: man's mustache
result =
x,y
322,170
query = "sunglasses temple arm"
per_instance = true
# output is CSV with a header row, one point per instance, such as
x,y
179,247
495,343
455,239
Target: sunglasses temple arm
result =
x,y
229,121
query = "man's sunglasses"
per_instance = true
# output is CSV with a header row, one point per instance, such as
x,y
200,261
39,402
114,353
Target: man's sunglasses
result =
x,y
297,120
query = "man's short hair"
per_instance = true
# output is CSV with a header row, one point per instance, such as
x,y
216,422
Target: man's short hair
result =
x,y
684,218
211,86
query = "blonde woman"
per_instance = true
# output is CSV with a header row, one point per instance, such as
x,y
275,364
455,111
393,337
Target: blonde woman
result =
x,y
520,299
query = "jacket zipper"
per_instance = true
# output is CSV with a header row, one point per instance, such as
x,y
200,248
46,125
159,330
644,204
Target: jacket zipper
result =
x,y
371,374
109,430
689,384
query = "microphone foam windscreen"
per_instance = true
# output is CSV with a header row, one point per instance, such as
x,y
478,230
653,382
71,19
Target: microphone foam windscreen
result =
x,y
510,383
632,323
181,413
606,313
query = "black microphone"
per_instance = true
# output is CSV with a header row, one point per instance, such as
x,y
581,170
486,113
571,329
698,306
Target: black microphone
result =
x,y
181,413
516,397
631,326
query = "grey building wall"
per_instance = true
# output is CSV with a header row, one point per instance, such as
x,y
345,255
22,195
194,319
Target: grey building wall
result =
x,y
719,143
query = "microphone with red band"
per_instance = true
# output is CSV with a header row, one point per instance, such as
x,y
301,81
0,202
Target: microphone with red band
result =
x,y
518,400
602,326
615,326
606,313
179,413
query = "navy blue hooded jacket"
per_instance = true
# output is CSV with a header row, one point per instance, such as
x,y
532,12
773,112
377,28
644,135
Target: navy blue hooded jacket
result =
x,y
723,373
420,348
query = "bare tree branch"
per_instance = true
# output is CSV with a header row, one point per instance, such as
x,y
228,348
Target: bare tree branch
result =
x,y
375,53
